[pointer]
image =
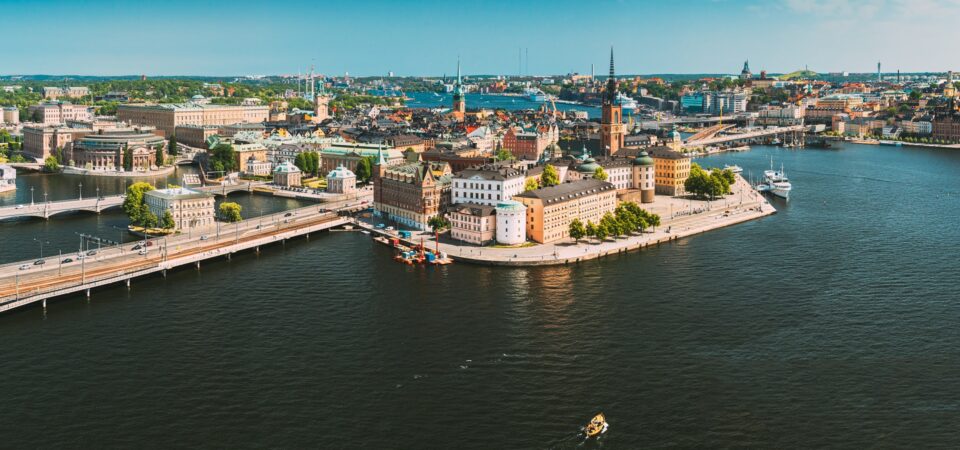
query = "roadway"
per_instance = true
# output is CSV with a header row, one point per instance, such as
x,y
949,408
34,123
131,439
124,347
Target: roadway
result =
x,y
748,135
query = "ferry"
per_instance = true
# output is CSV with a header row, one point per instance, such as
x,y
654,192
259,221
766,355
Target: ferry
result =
x,y
535,95
627,104
775,182
734,168
597,426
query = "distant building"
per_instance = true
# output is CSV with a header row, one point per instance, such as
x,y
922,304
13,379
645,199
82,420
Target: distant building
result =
x,y
105,151
53,93
8,178
11,115
166,117
286,175
341,181
190,209
550,210
946,127
41,142
244,153
745,74
59,113
195,135
529,145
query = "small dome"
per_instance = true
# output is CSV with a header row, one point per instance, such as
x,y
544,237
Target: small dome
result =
x,y
341,172
286,167
589,166
643,159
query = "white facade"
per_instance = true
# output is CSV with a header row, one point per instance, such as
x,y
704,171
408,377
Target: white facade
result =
x,y
11,115
486,187
341,181
511,223
190,209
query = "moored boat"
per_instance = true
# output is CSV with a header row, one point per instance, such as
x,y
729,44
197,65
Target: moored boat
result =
x,y
598,425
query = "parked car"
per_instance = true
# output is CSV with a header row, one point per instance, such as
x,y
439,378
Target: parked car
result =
x,y
19,206
204,237
66,261
149,244
142,252
24,266
39,262
137,247
91,253
389,228
287,214
380,226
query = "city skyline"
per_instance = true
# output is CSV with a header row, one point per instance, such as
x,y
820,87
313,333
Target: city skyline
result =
x,y
425,39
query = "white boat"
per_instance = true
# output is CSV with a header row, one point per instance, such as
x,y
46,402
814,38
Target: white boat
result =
x,y
775,141
535,95
775,182
626,102
734,168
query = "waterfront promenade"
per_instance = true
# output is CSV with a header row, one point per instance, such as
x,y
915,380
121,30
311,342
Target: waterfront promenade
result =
x,y
680,218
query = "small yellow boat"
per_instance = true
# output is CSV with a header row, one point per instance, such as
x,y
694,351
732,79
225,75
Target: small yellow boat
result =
x,y
596,426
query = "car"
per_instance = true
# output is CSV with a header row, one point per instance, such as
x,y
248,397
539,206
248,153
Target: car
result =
x,y
380,226
389,228
258,226
142,252
66,261
39,262
286,221
81,256
19,206
287,214
204,237
24,266
91,253
149,244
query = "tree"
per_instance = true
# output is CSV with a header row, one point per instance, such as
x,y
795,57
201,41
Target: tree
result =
x,y
531,184
601,232
301,162
168,223
159,155
223,158
610,225
577,230
438,223
364,169
729,176
173,148
600,174
50,164
591,229
133,204
550,176
147,218
230,212
504,155
127,158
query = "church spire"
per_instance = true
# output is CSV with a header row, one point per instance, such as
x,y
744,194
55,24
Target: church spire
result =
x,y
458,70
611,94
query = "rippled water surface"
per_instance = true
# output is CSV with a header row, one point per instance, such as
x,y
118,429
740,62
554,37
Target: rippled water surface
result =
x,y
831,324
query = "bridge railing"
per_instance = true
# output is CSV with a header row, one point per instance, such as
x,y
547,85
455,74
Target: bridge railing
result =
x,y
59,287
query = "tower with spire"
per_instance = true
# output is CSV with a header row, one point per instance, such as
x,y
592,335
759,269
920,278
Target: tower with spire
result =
x,y
745,74
459,99
611,116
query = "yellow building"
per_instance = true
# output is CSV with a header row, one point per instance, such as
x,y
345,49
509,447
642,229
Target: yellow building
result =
x,y
550,210
671,170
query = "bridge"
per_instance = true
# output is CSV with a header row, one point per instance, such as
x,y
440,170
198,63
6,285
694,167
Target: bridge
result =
x,y
719,139
96,204
657,124
24,283
709,132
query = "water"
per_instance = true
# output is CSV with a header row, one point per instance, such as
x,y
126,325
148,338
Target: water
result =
x,y
490,101
829,324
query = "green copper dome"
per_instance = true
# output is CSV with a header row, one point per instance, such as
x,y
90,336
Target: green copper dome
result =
x,y
643,159
589,166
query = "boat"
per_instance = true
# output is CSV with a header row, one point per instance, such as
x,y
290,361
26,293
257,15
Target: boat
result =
x,y
775,182
734,168
365,231
535,95
627,104
775,141
597,426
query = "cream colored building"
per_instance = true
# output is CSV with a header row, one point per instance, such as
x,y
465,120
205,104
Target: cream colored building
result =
x,y
550,210
166,117
341,181
190,209
473,223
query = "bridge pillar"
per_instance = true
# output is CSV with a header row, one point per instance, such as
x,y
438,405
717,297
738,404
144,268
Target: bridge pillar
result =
x,y
198,265
88,293
128,283
44,304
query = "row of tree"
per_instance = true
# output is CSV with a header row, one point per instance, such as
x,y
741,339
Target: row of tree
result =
x,y
711,183
308,162
626,219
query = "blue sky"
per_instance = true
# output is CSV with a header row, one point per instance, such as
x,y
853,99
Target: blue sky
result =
x,y
103,37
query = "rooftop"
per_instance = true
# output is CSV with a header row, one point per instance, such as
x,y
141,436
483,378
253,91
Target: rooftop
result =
x,y
568,191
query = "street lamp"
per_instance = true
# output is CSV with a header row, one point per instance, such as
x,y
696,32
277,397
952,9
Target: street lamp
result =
x,y
41,242
80,189
31,195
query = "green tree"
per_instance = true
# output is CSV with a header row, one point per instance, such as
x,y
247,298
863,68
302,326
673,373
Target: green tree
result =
x,y
364,169
51,165
504,155
159,155
610,225
301,162
729,176
127,158
590,229
601,232
167,222
223,158
438,223
230,212
531,184
577,230
600,174
147,218
550,176
133,203
173,147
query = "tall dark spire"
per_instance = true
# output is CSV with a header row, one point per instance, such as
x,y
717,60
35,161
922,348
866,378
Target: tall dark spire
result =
x,y
611,94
